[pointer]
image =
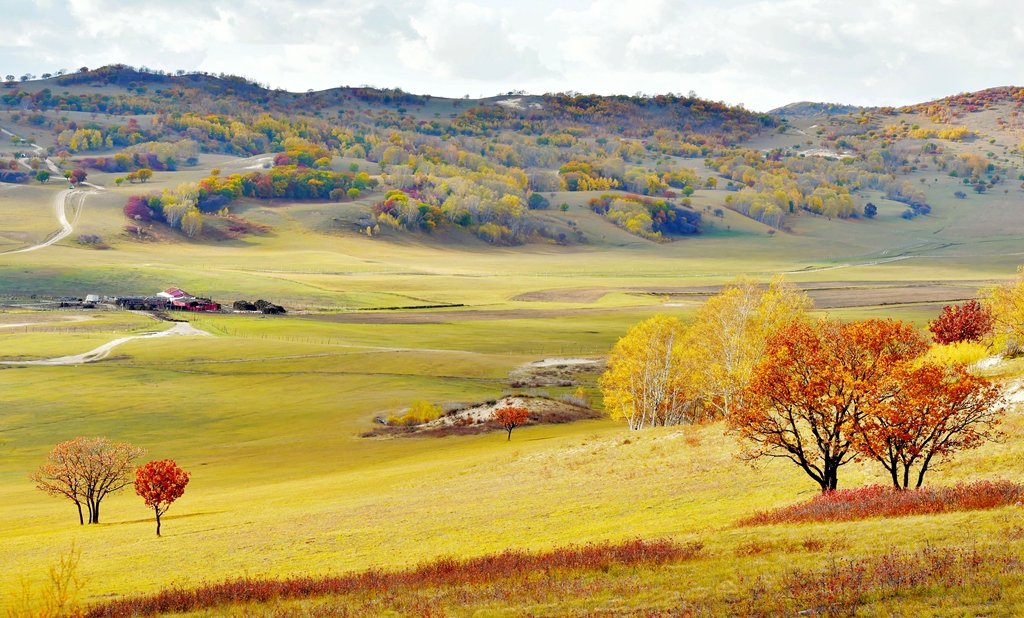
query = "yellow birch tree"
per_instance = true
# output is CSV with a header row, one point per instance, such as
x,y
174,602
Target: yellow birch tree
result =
x,y
729,334
645,383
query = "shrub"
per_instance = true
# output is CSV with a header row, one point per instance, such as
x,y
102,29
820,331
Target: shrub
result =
x,y
493,233
138,208
537,201
418,413
840,588
213,203
960,353
12,176
879,501
967,322
523,568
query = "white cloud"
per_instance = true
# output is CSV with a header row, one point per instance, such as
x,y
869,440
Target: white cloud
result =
x,y
763,53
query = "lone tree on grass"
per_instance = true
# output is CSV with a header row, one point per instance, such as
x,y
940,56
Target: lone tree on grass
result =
x,y
87,470
160,483
830,393
814,385
510,418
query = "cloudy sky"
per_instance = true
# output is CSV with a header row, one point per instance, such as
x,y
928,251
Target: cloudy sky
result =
x,y
762,54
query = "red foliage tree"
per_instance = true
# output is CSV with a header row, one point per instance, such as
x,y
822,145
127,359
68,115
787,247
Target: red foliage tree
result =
x,y
78,176
160,483
967,322
511,417
138,208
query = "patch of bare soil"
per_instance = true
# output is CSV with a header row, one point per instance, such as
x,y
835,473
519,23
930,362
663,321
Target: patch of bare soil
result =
x,y
479,418
232,227
565,295
556,372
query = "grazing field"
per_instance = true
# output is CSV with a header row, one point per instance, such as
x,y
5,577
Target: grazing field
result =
x,y
267,415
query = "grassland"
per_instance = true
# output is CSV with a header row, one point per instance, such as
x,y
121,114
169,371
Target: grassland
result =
x,y
267,412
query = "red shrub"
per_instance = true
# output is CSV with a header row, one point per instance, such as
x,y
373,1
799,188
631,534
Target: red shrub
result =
x,y
138,208
490,569
880,501
842,587
967,322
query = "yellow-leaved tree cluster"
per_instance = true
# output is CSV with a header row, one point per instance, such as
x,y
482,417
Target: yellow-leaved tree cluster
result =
x,y
1006,303
664,372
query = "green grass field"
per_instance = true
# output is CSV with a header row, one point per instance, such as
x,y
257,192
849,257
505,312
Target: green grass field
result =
x,y
267,412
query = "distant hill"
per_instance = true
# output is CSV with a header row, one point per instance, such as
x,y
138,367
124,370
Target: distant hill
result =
x,y
807,109
490,167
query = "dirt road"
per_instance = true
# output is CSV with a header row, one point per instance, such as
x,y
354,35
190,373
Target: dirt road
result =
x,y
181,329
63,199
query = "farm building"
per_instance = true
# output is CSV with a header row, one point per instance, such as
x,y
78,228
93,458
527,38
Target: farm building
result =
x,y
181,300
172,298
195,304
142,302
173,294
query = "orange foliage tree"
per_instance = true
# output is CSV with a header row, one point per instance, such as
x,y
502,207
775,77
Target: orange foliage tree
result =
x,y
160,483
929,413
511,417
85,471
814,385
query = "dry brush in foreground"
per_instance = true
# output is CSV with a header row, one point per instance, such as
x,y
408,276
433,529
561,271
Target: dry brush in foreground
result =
x,y
880,501
509,570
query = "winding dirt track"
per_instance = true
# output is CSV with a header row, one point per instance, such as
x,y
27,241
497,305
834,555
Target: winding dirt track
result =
x,y
180,329
67,197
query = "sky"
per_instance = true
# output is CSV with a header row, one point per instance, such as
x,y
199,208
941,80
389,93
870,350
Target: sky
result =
x,y
760,54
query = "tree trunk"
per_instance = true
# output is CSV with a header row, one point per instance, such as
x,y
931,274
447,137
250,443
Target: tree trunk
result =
x,y
831,477
81,521
510,433
894,473
95,513
157,521
924,468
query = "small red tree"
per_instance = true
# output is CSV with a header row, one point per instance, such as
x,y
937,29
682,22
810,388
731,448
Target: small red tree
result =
x,y
967,322
78,176
160,483
510,418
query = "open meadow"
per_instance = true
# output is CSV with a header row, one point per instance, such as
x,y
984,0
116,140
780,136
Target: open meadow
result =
x,y
269,412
